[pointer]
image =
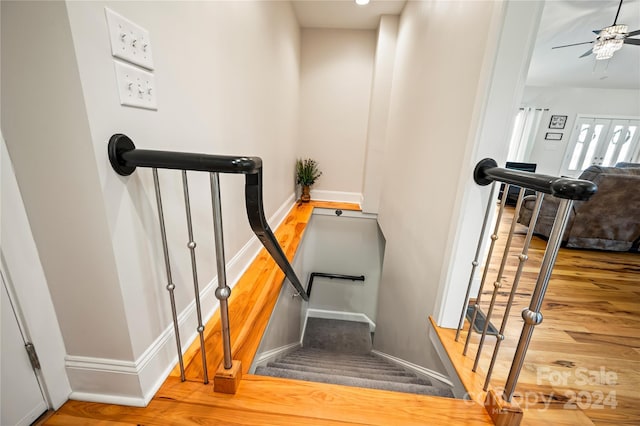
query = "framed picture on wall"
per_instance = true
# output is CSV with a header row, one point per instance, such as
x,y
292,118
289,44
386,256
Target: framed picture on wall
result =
x,y
553,136
557,121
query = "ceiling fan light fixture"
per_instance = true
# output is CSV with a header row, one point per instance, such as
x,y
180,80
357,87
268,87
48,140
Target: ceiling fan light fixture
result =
x,y
614,31
609,41
604,49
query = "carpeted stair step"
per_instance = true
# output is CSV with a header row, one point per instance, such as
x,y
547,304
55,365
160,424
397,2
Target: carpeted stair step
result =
x,y
346,364
370,374
339,352
358,369
347,337
354,381
317,353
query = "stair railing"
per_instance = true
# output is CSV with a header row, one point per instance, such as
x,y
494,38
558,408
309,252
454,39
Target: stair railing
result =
x,y
331,276
125,158
567,190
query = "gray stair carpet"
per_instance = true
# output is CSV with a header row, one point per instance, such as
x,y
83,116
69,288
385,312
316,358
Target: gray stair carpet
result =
x,y
339,352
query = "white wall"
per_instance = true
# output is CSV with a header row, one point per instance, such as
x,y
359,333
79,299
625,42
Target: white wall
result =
x,y
227,83
335,89
287,319
515,26
47,134
433,114
571,101
349,246
379,113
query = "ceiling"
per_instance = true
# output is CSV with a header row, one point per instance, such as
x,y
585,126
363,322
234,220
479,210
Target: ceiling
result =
x,y
344,13
563,22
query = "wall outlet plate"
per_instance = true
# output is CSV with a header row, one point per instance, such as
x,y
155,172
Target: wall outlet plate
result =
x,y
129,42
136,87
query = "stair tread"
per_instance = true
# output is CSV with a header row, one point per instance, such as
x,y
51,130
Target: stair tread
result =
x,y
356,382
304,351
322,353
373,375
345,365
338,366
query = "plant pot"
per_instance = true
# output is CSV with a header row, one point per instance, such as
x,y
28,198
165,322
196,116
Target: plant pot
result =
x,y
306,194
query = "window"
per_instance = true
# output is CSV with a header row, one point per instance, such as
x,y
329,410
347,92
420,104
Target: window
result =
x,y
600,142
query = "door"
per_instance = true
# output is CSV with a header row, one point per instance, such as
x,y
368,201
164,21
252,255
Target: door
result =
x,y
600,142
620,144
22,399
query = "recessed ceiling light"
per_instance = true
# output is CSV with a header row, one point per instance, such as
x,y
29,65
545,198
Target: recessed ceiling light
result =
x,y
362,2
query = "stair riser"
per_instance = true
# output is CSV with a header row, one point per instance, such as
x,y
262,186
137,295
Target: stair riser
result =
x,y
347,369
331,361
346,373
362,370
337,365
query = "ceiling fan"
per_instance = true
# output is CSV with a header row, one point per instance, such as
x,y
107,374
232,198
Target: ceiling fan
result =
x,y
608,40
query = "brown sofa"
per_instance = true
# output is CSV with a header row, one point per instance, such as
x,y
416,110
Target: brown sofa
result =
x,y
610,220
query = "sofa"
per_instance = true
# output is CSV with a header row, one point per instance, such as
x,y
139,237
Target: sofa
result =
x,y
610,220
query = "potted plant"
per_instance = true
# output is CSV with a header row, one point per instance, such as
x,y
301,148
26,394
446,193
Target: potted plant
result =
x,y
306,174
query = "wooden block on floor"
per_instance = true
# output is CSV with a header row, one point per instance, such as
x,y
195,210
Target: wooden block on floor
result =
x,y
227,381
501,412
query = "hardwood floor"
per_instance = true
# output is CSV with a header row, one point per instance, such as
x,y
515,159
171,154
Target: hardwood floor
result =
x,y
591,322
583,363
266,400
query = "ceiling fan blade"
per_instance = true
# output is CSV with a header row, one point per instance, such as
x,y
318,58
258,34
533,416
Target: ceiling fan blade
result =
x,y
574,44
587,53
596,31
635,41
632,33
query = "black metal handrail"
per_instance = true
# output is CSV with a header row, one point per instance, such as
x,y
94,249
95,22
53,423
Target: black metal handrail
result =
x,y
125,157
487,171
332,276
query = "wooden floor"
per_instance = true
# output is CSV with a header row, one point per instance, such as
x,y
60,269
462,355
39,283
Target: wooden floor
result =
x,y
265,400
583,364
584,357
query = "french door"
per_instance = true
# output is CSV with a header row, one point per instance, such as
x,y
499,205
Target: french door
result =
x,y
600,142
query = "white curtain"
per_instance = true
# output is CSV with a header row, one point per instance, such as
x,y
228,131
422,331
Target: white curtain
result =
x,y
525,129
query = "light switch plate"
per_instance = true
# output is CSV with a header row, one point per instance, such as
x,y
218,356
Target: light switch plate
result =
x,y
129,42
136,87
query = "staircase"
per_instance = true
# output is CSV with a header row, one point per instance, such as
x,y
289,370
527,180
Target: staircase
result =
x,y
339,352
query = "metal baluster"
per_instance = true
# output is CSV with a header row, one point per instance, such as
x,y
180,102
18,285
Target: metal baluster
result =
x,y
475,262
523,257
170,285
494,237
532,315
222,292
498,283
192,249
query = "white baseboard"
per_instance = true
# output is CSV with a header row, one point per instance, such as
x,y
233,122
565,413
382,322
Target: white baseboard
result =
x,y
273,354
458,388
134,383
418,369
339,315
339,196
